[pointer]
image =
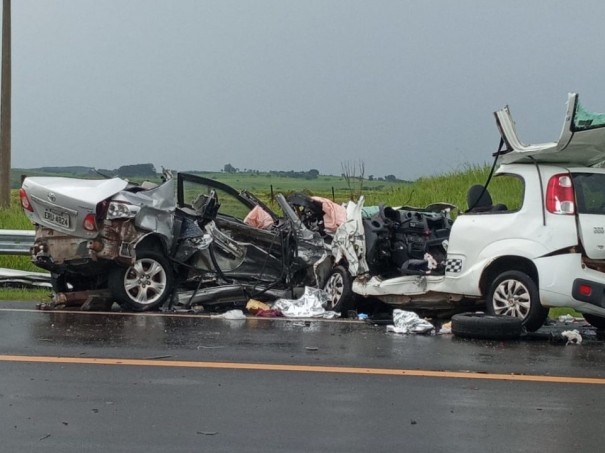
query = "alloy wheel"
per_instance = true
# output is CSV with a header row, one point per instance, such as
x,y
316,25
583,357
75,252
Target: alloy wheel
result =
x,y
512,298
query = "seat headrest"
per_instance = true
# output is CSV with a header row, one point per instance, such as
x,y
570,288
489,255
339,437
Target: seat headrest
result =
x,y
478,197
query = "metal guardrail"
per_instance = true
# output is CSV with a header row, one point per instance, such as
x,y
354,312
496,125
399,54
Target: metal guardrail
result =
x,y
16,242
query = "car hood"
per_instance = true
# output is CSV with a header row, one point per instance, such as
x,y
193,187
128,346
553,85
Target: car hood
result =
x,y
582,140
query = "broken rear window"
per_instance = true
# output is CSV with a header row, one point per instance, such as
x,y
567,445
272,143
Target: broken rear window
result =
x,y
583,119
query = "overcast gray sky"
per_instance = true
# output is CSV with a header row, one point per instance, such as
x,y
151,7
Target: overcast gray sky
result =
x,y
407,87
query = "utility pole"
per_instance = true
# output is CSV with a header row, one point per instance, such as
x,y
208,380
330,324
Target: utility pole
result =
x,y
5,107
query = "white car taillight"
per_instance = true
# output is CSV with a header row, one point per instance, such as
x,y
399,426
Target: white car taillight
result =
x,y
25,203
560,198
120,210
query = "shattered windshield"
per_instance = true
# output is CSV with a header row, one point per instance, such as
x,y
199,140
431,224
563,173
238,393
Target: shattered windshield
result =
x,y
583,119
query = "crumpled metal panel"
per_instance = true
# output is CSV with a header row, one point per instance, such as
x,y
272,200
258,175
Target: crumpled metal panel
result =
x,y
349,240
162,197
158,221
116,240
581,143
58,246
113,242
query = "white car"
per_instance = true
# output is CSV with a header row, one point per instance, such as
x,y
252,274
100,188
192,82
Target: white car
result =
x,y
546,251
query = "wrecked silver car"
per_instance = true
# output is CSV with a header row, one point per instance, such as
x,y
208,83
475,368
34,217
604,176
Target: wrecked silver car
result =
x,y
188,241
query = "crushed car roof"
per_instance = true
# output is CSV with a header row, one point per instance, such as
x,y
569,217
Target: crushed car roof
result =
x,y
582,140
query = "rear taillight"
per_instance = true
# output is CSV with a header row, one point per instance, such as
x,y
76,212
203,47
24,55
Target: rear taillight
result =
x,y
25,204
89,223
560,197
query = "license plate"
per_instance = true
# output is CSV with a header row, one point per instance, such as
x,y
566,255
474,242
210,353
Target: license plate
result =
x,y
58,218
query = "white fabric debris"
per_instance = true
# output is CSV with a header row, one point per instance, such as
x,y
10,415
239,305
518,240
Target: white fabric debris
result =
x,y
431,263
573,336
566,319
409,322
231,314
309,305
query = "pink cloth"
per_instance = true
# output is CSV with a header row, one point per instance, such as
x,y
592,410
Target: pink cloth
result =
x,y
258,218
334,214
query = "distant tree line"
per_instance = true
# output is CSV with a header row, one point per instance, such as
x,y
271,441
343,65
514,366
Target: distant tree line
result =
x,y
149,171
125,171
311,174
136,170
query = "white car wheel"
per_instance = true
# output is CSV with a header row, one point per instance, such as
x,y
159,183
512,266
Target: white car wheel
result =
x,y
511,298
514,293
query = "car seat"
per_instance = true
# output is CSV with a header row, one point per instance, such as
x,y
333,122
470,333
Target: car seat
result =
x,y
479,200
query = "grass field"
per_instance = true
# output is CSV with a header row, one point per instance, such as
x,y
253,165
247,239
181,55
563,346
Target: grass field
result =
x,y
14,219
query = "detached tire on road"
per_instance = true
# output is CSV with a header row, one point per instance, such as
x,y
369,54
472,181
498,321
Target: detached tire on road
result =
x,y
486,327
145,285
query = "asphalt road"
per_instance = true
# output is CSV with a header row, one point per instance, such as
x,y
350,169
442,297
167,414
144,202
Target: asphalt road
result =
x,y
75,382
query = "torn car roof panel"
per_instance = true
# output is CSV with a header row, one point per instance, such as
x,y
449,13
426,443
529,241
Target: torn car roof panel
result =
x,y
581,143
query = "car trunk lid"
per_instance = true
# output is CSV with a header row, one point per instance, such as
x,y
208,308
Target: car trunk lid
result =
x,y
63,203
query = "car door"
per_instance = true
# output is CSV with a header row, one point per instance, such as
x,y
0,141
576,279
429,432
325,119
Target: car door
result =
x,y
241,251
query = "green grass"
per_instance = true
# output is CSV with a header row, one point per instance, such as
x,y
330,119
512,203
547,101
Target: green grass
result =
x,y
13,219
554,313
42,295
449,188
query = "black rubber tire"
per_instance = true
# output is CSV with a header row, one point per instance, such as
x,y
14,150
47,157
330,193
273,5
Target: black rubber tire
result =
x,y
595,321
486,327
339,287
514,293
149,294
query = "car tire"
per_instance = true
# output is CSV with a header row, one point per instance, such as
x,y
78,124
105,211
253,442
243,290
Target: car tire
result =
x,y
145,285
595,321
339,287
486,327
514,293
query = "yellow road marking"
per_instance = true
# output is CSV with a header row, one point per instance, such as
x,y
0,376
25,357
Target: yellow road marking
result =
x,y
304,368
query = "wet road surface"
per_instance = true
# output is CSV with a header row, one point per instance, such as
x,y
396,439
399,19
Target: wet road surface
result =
x,y
123,382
